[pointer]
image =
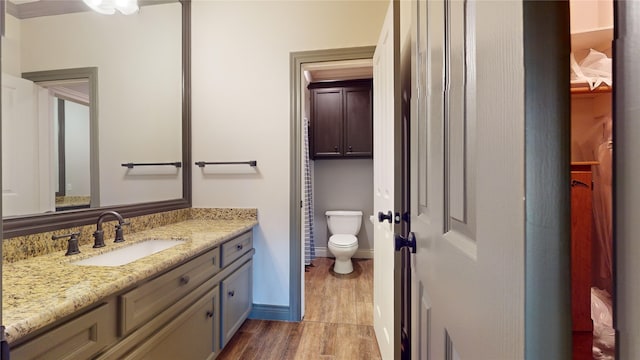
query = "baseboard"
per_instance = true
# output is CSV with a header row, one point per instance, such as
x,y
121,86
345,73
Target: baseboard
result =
x,y
270,312
360,254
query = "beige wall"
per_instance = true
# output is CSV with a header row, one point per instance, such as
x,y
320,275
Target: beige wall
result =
x,y
344,185
241,107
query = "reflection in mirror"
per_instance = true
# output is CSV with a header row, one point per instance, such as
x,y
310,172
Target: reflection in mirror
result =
x,y
66,124
127,56
72,173
138,108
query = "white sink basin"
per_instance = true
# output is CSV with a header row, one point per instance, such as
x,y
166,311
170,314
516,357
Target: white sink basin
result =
x,y
127,254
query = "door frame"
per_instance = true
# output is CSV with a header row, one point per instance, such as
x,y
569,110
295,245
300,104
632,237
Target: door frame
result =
x,y
90,74
297,59
547,177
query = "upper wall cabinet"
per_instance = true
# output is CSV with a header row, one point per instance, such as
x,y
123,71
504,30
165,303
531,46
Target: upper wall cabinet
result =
x,y
341,119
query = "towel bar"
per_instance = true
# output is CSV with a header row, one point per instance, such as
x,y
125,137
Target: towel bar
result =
x,y
132,165
251,163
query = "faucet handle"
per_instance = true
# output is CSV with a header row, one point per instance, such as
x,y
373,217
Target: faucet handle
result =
x,y
120,232
98,237
72,248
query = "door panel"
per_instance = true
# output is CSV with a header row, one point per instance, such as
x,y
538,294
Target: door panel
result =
x,y
386,119
467,206
357,121
327,122
26,148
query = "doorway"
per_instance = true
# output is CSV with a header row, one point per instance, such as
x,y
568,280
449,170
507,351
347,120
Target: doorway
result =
x,y
76,86
298,61
592,284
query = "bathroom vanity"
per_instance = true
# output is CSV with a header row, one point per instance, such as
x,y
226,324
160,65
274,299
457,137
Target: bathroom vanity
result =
x,y
184,302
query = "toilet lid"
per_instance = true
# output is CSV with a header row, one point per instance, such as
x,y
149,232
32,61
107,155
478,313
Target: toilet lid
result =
x,y
343,240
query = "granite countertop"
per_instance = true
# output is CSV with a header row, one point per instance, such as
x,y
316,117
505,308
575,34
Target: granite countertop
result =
x,y
38,291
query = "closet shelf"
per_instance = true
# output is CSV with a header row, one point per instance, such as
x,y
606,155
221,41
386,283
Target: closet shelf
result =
x,y
583,88
598,39
584,163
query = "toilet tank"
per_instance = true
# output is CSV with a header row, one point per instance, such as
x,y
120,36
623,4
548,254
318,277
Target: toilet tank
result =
x,y
344,222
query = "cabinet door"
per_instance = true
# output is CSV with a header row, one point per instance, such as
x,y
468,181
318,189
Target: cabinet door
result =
x,y
358,124
191,335
581,259
233,249
141,304
237,299
79,338
326,138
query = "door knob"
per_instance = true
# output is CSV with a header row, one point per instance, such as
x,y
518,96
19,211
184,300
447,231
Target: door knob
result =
x,y
382,216
409,241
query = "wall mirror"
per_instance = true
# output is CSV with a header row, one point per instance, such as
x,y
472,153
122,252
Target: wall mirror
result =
x,y
84,96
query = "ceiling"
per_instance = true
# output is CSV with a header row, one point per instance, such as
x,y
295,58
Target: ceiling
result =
x,y
338,70
24,9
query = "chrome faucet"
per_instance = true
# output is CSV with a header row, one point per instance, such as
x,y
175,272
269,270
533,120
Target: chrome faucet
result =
x,y
98,235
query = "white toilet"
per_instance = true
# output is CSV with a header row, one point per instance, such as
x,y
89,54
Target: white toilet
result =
x,y
343,244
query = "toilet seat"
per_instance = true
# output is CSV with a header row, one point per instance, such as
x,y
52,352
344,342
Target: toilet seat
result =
x,y
343,240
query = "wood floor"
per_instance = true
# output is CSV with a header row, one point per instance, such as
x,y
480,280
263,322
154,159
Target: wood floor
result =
x,y
338,322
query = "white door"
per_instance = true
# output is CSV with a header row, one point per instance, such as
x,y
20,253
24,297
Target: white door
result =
x,y
385,119
26,148
467,181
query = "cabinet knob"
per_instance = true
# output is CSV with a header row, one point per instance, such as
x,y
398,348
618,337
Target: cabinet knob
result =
x,y
231,293
350,148
209,314
335,148
239,247
184,280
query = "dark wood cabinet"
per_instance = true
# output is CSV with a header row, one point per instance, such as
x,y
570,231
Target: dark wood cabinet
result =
x,y
341,119
581,259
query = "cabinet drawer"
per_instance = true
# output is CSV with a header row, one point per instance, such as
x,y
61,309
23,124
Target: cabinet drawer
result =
x,y
191,335
235,248
80,338
142,303
236,297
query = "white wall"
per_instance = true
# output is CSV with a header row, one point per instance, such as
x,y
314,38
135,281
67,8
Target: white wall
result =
x,y
241,107
344,185
139,78
11,46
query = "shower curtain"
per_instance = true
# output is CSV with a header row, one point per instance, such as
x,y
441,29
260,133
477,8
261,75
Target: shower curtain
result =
x,y
309,234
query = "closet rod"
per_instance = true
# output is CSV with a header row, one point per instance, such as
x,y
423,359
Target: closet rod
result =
x,y
250,163
132,165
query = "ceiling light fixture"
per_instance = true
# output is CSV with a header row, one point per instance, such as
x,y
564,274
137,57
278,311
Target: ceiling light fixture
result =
x,y
109,7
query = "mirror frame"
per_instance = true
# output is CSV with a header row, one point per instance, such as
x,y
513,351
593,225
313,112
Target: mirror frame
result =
x,y
31,224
